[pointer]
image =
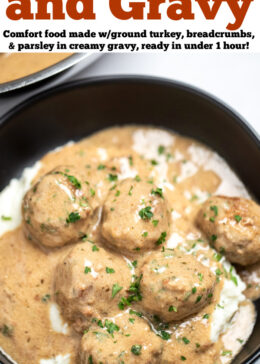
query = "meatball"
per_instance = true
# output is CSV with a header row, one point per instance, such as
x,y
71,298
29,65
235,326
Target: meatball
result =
x,y
128,340
135,217
232,225
175,285
56,210
89,283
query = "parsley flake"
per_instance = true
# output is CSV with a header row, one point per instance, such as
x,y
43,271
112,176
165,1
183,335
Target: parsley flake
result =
x,y
73,217
87,270
136,349
158,191
146,213
115,289
162,238
238,218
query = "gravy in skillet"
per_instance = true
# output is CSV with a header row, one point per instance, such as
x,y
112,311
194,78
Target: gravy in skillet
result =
x,y
17,65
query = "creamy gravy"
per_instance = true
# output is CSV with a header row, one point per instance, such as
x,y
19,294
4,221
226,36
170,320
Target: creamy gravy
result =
x,y
17,65
188,173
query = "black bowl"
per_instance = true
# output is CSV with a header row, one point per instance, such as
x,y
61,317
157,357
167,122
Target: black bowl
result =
x,y
78,109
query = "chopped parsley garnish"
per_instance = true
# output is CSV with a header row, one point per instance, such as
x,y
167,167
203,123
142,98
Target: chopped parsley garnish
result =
x,y
100,324
217,257
134,293
134,263
92,192
154,162
133,312
6,330
87,270
150,181
183,358
164,334
173,309
214,237
6,218
198,299
206,316
109,270
46,298
111,327
200,275
215,209
194,290
73,217
232,277
145,234
137,178
238,218
194,198
158,191
185,340
117,193
130,192
115,289
130,158
90,360
28,220
162,238
101,166
161,149
226,352
146,213
123,303
155,222
95,248
112,177
132,320
135,288
73,180
218,272
187,295
136,349
212,219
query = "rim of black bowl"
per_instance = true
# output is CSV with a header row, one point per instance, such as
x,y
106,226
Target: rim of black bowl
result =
x,y
41,75
102,80
242,122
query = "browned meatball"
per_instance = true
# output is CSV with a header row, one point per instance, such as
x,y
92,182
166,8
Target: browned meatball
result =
x,y
135,217
232,225
89,283
175,285
123,341
56,209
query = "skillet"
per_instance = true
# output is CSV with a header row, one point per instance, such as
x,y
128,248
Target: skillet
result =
x,y
77,109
